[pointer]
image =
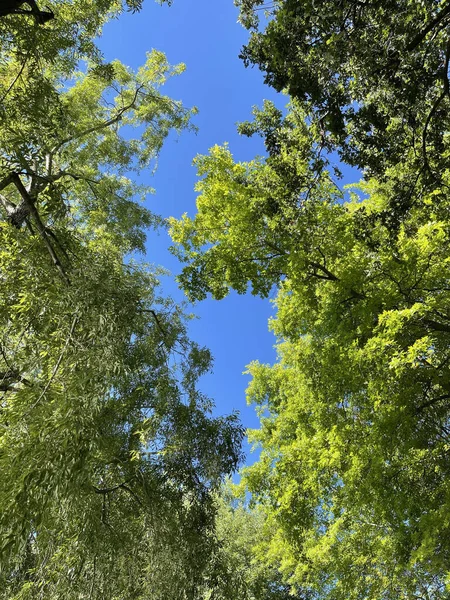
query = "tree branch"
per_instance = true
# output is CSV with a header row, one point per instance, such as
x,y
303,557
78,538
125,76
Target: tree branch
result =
x,y
58,362
157,321
119,486
418,39
436,325
101,126
432,401
327,274
40,225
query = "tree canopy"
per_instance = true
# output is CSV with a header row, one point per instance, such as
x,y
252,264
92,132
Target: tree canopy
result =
x,y
353,471
372,76
370,70
108,452
67,38
112,464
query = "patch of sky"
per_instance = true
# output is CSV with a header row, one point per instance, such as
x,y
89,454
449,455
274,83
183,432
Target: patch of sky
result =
x,y
206,37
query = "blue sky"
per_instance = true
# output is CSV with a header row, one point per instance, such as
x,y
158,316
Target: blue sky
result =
x,y
205,35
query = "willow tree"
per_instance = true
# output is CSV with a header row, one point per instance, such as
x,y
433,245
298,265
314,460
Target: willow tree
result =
x,y
108,453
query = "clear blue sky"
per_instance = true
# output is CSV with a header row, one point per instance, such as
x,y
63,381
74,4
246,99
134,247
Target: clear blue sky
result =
x,y
205,35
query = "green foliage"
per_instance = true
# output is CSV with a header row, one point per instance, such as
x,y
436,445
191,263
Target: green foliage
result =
x,y
109,454
77,151
252,216
101,440
373,76
64,40
236,571
353,473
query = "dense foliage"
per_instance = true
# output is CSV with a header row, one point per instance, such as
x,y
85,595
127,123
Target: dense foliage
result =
x,y
373,79
111,464
353,472
374,73
65,39
108,452
236,571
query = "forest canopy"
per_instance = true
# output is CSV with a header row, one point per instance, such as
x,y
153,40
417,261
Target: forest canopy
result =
x,y
114,469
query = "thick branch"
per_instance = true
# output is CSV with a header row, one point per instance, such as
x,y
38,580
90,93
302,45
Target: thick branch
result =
x,y
436,325
7,205
432,401
7,181
418,39
40,225
9,379
327,274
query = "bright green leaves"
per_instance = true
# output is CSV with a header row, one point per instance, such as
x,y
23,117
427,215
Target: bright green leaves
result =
x,y
228,209
104,432
353,473
359,410
238,570
249,227
77,158
108,452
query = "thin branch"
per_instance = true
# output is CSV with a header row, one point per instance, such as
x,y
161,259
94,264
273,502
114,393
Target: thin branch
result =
x,y
132,494
445,92
101,126
425,133
16,77
120,486
91,591
157,321
49,163
58,362
105,491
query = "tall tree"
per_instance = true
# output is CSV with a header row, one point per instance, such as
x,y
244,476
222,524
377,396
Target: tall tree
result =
x,y
234,571
108,453
353,473
373,76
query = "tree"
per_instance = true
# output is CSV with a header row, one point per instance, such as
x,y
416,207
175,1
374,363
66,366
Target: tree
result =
x,y
236,572
67,38
373,76
108,453
253,214
353,472
28,49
